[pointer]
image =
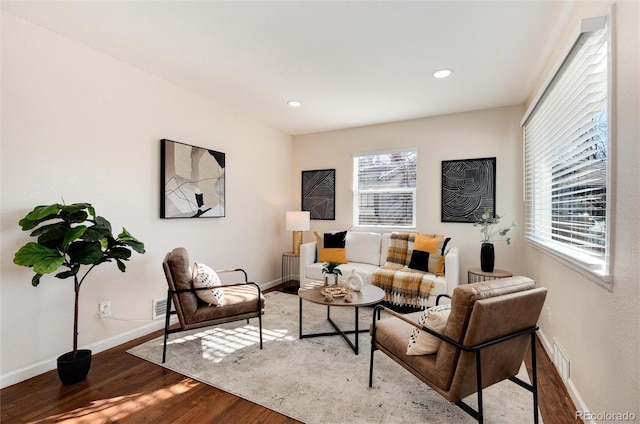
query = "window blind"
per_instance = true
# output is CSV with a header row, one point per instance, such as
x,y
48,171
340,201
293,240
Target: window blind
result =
x,y
566,157
385,189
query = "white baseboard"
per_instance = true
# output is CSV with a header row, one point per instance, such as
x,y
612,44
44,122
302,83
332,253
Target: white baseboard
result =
x,y
270,284
571,388
32,370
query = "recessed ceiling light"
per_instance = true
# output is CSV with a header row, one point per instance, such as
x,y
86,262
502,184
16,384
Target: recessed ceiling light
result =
x,y
442,73
294,103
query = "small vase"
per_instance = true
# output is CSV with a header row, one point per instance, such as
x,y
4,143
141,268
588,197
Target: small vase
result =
x,y
330,279
487,257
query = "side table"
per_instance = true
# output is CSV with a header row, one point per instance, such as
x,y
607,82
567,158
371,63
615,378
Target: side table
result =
x,y
290,270
475,275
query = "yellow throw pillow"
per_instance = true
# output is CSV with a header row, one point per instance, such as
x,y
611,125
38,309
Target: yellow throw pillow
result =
x,y
426,243
331,247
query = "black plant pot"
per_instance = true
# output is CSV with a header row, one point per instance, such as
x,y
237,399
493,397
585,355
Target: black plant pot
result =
x,y
487,257
72,371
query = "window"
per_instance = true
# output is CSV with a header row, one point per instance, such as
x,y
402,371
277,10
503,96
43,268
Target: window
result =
x,y
566,153
385,189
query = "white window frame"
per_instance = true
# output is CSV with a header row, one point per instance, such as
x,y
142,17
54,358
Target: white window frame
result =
x,y
599,268
357,191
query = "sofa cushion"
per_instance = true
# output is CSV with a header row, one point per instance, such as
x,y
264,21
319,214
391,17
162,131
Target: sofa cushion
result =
x,y
205,277
423,343
314,271
363,247
331,247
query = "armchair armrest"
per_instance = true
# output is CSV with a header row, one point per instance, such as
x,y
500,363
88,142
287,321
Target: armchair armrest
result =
x,y
195,289
440,296
475,348
229,270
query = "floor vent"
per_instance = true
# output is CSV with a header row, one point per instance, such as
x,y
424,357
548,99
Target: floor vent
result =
x,y
159,308
561,361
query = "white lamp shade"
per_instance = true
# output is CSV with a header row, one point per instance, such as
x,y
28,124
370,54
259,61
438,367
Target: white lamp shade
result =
x,y
298,221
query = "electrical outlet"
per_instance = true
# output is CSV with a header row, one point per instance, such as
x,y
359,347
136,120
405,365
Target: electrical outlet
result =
x,y
104,309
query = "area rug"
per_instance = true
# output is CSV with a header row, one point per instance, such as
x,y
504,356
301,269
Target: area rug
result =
x,y
320,380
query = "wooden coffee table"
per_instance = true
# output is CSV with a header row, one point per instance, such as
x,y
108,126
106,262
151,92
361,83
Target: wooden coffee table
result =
x,y
369,295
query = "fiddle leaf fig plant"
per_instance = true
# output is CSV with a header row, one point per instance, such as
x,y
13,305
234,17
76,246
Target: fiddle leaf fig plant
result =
x,y
70,237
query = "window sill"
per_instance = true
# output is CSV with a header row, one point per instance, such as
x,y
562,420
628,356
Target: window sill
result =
x,y
597,275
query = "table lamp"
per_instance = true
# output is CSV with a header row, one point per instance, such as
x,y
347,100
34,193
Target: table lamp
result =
x,y
297,222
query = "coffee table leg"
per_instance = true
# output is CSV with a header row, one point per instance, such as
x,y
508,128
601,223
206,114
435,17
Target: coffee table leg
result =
x,y
338,332
300,317
357,332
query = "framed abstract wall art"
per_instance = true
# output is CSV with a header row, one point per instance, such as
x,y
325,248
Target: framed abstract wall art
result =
x,y
319,193
192,181
468,186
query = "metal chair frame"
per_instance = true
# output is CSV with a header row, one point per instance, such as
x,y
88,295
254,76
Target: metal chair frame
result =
x,y
477,349
171,311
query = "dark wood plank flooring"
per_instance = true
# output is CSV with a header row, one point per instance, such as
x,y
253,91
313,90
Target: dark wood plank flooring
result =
x,y
123,388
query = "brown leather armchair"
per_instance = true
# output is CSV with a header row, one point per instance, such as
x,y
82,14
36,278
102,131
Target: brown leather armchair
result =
x,y
488,332
242,300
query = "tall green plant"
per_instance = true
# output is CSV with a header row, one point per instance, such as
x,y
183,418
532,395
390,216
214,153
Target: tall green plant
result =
x,y
71,236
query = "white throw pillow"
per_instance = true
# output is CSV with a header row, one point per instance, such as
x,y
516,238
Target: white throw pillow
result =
x,y
423,343
204,276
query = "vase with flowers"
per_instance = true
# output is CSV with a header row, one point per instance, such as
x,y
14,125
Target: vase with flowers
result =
x,y
489,231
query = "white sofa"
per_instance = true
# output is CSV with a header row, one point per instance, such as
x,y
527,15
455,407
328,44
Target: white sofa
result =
x,y
366,251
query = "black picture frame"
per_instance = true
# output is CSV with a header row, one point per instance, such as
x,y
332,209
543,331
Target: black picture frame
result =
x,y
468,186
319,193
192,181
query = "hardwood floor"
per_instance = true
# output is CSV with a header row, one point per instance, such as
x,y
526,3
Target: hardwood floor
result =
x,y
123,388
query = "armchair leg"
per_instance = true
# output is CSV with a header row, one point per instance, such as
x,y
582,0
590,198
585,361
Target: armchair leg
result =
x,y
373,345
260,325
534,377
479,414
166,328
371,367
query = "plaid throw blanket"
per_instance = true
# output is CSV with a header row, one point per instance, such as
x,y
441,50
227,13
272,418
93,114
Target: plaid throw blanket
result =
x,y
400,248
402,286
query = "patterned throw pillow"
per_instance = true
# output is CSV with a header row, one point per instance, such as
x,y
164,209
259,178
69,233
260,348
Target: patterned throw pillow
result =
x,y
423,343
428,253
331,247
204,276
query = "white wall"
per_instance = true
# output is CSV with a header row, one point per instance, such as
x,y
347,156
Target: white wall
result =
x,y
486,133
80,125
599,329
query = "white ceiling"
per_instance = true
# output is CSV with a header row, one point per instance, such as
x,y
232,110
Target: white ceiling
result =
x,y
350,63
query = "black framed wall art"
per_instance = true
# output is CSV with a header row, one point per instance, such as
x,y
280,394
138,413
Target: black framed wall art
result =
x,y
468,186
192,181
319,193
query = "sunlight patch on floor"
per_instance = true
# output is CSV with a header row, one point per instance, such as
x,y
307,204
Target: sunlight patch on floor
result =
x,y
217,343
120,407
